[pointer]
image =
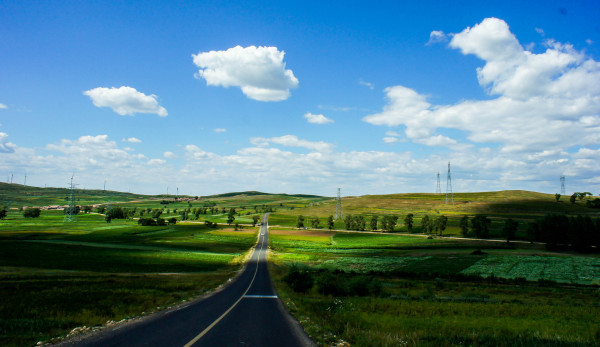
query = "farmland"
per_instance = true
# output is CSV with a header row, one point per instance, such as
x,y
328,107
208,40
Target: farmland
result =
x,y
438,291
400,288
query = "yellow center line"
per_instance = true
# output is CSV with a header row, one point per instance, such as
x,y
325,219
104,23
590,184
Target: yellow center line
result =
x,y
195,339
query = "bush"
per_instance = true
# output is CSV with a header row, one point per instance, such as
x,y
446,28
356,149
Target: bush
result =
x,y
32,212
299,279
329,284
146,222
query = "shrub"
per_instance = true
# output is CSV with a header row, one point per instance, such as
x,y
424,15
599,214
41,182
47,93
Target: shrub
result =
x,y
299,279
147,222
32,212
329,284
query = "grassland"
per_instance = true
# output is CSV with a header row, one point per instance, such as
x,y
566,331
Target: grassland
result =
x,y
522,206
436,292
58,275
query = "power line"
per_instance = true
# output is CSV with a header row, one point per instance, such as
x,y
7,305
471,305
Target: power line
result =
x,y
338,205
71,213
449,194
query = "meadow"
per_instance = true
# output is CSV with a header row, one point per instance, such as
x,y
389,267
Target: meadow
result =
x,y
370,288
437,292
57,276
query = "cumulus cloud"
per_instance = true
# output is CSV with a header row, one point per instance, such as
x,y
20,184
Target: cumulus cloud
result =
x,y
293,141
545,101
132,140
437,36
3,106
125,101
317,118
169,155
260,72
390,139
5,146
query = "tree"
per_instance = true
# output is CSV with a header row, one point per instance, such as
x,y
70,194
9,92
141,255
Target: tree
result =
x,y
330,223
314,222
390,223
425,224
349,222
408,221
440,223
464,225
573,198
557,197
32,212
231,216
510,229
373,223
255,220
480,224
3,212
300,222
533,231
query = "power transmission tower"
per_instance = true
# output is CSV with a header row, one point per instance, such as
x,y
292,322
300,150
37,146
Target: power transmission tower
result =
x,y
338,205
25,181
449,194
562,185
438,189
71,214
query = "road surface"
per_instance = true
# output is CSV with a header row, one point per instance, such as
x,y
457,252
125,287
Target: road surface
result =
x,y
247,312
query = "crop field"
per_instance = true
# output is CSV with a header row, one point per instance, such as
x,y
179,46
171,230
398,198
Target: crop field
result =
x,y
437,292
61,275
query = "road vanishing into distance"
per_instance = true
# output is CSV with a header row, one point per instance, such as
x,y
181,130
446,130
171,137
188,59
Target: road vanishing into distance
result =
x,y
246,312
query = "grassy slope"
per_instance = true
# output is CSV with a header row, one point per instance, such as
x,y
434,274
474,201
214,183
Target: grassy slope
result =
x,y
424,301
62,275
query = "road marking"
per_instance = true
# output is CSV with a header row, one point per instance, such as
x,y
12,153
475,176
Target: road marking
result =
x,y
261,296
195,339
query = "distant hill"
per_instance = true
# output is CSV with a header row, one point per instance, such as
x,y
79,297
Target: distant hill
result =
x,y
254,193
21,195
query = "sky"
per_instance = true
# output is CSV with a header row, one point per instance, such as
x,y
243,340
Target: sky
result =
x,y
209,97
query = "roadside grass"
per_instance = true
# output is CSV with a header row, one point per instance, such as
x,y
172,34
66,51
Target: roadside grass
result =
x,y
433,296
39,306
58,275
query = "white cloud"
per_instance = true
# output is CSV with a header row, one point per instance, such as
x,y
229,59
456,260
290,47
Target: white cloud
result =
x,y
392,133
169,155
317,118
389,139
5,146
293,141
437,36
367,84
3,106
125,101
589,41
132,140
547,101
540,31
259,71
156,162
220,130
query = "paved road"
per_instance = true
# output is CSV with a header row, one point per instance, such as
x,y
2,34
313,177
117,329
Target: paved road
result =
x,y
246,312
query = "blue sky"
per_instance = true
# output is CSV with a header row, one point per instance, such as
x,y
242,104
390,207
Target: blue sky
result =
x,y
301,97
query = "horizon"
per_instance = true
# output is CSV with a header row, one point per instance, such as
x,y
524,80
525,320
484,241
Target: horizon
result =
x,y
210,97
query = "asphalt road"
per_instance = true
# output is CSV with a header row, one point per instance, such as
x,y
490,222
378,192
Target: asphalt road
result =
x,y
246,312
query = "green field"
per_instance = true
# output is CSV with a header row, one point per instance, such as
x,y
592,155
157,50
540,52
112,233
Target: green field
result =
x,y
393,289
438,292
61,275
